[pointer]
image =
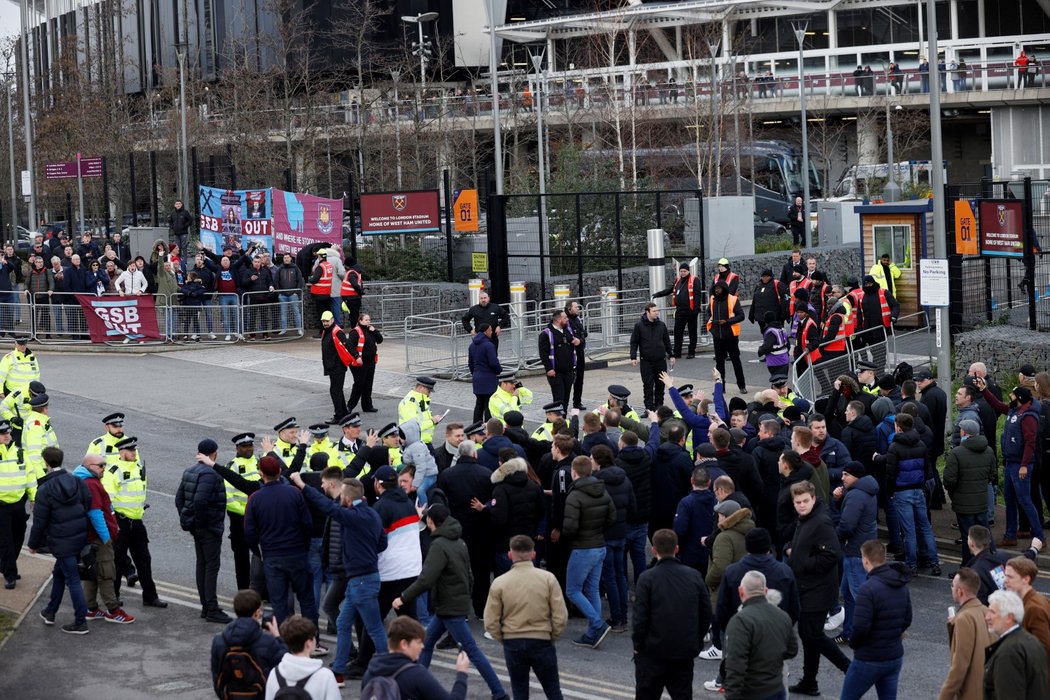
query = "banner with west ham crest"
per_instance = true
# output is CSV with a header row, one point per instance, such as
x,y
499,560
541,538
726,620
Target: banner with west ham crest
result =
x,y
272,219
416,211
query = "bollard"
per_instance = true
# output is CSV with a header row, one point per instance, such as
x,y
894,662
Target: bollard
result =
x,y
517,299
694,267
518,321
474,289
562,292
610,324
655,239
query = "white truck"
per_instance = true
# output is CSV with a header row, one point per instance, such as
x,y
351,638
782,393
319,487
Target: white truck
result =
x,y
855,182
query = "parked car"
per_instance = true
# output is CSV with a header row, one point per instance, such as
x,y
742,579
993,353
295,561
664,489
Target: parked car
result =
x,y
767,227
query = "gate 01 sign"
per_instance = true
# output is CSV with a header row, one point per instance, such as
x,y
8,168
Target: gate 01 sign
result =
x,y
1002,227
400,212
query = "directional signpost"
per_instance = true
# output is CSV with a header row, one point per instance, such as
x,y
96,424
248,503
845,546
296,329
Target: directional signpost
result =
x,y
79,168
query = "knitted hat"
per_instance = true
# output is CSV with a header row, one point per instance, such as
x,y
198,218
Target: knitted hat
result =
x,y
758,541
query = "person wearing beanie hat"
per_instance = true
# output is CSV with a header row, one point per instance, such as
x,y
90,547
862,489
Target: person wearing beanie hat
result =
x,y
878,309
201,503
858,513
1019,452
723,323
686,294
278,523
767,298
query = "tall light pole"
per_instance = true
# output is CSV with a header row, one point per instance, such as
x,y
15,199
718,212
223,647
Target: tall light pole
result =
x,y
395,74
418,20
27,114
494,89
8,77
800,35
940,236
712,46
891,192
537,61
180,52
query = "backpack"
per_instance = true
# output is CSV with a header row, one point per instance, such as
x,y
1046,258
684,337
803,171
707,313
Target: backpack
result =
x,y
240,675
384,687
291,692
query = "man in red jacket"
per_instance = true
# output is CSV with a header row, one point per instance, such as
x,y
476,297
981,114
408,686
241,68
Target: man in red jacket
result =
x,y
102,533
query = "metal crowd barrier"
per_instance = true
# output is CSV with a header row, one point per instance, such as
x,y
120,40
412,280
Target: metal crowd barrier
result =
x,y
264,316
436,344
16,315
59,319
390,303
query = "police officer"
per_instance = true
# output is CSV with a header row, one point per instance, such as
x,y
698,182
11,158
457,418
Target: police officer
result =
x,y
322,444
16,487
416,404
246,465
15,405
510,396
106,444
391,436
19,367
618,396
553,411
350,444
125,482
284,448
37,434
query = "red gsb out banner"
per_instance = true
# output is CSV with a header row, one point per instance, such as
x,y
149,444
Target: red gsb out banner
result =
x,y
116,318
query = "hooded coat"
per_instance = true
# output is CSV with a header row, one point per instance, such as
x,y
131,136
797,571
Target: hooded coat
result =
x,y
446,572
60,514
517,502
968,469
858,518
417,453
729,547
589,512
637,464
484,365
619,488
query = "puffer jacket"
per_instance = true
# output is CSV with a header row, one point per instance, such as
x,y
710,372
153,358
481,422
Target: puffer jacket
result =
x,y
672,470
815,557
729,546
637,464
858,517
767,458
695,520
968,469
882,614
905,462
859,439
517,502
60,514
589,512
446,572
201,500
246,632
650,340
488,455
619,488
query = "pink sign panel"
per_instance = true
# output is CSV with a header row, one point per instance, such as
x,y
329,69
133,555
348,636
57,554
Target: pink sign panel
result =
x,y
90,167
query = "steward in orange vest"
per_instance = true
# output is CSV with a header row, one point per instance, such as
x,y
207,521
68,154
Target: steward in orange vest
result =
x,y
321,287
686,297
364,339
724,325
351,291
724,274
878,309
807,337
335,357
834,338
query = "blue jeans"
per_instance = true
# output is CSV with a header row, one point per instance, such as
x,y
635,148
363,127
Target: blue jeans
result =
x,y
853,577
991,503
362,599
966,521
636,542
460,632
228,304
862,675
581,586
290,301
614,579
337,310
294,571
1018,495
423,609
65,575
537,655
424,489
910,505
313,557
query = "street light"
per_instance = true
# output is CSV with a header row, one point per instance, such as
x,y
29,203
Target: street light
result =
x,y
800,35
8,78
395,74
537,61
27,114
940,236
180,53
497,136
891,192
418,20
712,46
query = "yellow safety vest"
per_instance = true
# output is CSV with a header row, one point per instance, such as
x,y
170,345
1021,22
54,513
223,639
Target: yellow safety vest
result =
x,y
15,479
394,457
544,432
631,413
688,433
106,445
125,482
327,447
417,405
36,435
284,450
17,370
14,406
346,457
248,467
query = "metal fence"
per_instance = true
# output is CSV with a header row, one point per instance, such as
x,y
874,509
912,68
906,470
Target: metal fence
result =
x,y
911,341
58,318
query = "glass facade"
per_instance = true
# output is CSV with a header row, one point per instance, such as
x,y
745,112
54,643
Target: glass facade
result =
x,y
1009,17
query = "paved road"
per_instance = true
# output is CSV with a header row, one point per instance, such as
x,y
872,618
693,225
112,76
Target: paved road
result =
x,y
173,400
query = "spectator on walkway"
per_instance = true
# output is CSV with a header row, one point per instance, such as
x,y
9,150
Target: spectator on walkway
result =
x,y
289,286
968,638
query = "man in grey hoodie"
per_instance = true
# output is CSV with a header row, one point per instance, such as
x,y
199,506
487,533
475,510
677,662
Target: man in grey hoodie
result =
x,y
415,452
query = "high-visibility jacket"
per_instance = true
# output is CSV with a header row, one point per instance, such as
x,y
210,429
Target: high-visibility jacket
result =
x,y
394,457
879,273
347,288
327,447
730,309
106,445
503,401
15,479
802,342
544,432
14,406
688,435
625,410
357,360
341,350
416,405
17,369
125,482
887,315
248,467
838,344
346,456
804,283
731,279
692,297
853,298
323,287
36,435
285,450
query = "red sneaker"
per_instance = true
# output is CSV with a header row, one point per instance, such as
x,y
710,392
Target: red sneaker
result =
x,y
120,617
95,614
340,680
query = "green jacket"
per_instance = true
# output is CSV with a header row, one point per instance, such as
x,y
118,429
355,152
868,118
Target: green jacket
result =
x,y
446,572
968,469
729,546
758,639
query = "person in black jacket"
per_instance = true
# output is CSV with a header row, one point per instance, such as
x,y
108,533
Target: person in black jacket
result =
x,y
579,331
332,362
262,641
933,398
686,298
201,504
487,312
723,323
516,508
672,471
796,217
768,297
989,564
794,471
557,350
60,521
257,285
651,341
180,221
465,484
738,465
637,464
671,615
766,453
614,571
364,345
814,556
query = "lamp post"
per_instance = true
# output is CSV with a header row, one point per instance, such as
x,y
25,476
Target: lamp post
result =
x,y
712,46
940,236
26,113
395,74
180,52
800,35
537,62
418,20
494,90
891,192
8,77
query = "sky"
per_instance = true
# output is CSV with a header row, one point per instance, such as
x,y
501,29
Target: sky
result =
x,y
8,18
